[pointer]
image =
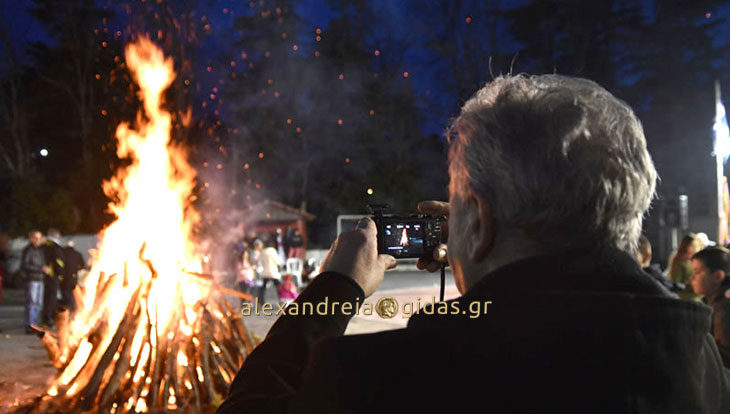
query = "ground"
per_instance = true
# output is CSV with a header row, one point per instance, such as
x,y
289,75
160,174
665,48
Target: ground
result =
x,y
25,371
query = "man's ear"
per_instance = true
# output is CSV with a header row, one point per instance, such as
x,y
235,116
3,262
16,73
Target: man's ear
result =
x,y
483,231
718,276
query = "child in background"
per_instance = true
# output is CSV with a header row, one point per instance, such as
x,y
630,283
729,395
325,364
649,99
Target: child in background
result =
x,y
246,275
287,290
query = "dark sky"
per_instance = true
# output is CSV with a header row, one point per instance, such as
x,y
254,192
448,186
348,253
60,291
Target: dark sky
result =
x,y
396,16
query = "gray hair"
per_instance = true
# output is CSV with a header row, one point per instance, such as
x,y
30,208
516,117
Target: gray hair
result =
x,y
559,159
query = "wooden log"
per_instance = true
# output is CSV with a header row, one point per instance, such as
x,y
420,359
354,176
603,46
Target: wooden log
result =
x,y
171,373
135,395
129,388
83,373
148,263
205,357
238,345
51,345
227,341
193,377
102,293
165,391
239,324
231,366
100,282
61,318
240,327
125,280
233,292
163,344
78,296
136,388
146,365
220,372
196,348
120,370
89,393
210,278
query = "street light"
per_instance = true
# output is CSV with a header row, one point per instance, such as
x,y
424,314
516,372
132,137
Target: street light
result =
x,y
44,152
370,191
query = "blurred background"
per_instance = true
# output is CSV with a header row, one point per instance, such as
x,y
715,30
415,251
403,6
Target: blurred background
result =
x,y
316,108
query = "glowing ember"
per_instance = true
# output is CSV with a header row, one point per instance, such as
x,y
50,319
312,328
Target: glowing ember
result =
x,y
182,359
150,333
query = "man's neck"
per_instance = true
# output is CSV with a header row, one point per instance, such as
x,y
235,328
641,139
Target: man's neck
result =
x,y
712,296
504,253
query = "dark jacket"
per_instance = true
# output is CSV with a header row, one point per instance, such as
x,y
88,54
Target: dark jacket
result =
x,y
294,239
73,262
720,304
585,332
31,262
664,280
55,259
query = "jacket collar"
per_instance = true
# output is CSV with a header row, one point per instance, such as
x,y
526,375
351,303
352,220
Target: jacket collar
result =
x,y
602,281
586,269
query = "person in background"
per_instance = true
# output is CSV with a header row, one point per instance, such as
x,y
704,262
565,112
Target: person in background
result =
x,y
245,274
269,262
680,267
73,263
55,263
295,243
711,280
255,258
280,247
236,250
34,269
287,290
643,256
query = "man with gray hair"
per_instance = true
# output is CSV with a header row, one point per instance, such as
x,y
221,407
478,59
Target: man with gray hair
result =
x,y
550,179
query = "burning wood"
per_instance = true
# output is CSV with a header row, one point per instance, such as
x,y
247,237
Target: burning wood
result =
x,y
153,333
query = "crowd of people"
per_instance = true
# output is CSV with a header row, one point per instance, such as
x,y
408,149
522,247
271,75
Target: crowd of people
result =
x,y
699,270
50,272
261,260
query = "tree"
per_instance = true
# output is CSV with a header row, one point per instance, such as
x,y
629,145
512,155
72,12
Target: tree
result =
x,y
323,119
587,39
15,148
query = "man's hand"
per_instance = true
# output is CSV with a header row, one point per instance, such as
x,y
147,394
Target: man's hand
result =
x,y
435,208
355,254
46,270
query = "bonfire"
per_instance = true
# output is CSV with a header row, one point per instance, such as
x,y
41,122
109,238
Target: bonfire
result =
x,y
153,334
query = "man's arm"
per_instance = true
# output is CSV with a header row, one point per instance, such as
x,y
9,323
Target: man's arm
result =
x,y
58,261
272,374
28,267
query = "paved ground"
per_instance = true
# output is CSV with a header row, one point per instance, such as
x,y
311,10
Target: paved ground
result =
x,y
24,366
25,371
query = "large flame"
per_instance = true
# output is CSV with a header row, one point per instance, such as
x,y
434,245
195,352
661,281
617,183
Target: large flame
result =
x,y
149,243
404,238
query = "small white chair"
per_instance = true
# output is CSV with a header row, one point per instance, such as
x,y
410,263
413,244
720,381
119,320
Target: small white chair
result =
x,y
294,269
